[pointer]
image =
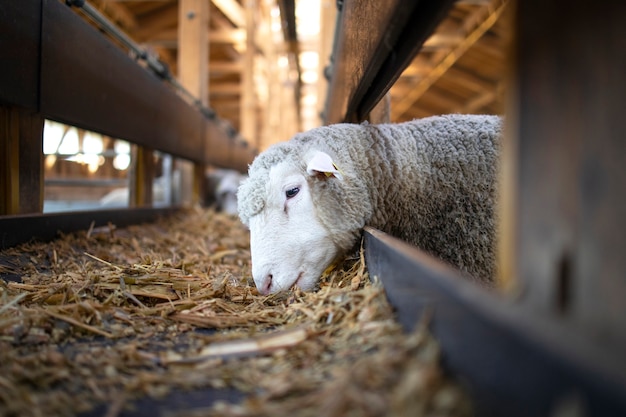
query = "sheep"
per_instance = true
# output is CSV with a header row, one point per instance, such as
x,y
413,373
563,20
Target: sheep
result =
x,y
221,189
431,182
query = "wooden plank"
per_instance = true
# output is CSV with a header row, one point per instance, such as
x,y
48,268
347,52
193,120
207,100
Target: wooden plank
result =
x,y
193,47
376,41
20,34
9,162
328,22
142,175
21,163
26,227
566,244
514,361
193,60
489,16
247,89
113,95
233,11
31,161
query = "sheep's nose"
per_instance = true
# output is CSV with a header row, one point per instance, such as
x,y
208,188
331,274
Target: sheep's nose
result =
x,y
265,284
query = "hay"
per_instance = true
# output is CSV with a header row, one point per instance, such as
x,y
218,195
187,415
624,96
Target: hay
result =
x,y
111,315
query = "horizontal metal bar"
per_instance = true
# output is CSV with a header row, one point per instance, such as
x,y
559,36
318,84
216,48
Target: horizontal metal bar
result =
x,y
515,362
24,228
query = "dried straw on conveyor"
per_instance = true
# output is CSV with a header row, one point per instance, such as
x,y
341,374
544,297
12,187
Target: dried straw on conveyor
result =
x,y
107,316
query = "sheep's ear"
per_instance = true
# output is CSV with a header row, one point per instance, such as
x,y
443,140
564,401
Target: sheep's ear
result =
x,y
321,163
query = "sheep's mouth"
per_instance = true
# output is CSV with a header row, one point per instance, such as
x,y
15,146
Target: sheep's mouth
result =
x,y
297,283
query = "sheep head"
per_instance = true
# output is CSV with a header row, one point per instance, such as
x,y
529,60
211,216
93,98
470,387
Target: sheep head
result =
x,y
293,208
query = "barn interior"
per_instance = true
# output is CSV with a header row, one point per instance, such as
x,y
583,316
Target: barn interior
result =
x,y
116,113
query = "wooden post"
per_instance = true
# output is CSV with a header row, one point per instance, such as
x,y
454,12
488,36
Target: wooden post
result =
x,y
21,161
328,22
248,95
193,73
381,113
142,176
566,182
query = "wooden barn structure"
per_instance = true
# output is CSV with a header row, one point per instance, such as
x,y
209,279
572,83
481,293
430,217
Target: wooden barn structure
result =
x,y
212,83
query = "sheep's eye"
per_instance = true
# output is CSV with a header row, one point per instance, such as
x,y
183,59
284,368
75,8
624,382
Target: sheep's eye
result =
x,y
292,192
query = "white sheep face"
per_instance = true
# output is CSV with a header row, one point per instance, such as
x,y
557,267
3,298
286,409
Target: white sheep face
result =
x,y
288,244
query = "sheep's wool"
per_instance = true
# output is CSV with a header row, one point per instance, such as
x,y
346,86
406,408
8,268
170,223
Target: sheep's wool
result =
x,y
431,182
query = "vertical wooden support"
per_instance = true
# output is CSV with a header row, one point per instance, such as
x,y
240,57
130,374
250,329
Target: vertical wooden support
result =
x,y
248,115
328,22
21,161
567,129
193,73
381,113
142,176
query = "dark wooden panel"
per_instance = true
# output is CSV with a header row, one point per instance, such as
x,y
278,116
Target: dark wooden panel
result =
x,y
514,362
20,31
31,170
374,42
571,181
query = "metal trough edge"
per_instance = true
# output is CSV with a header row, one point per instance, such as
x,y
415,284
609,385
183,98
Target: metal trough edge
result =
x,y
512,361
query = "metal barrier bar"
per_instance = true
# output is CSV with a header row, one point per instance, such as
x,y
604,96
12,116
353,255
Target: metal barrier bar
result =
x,y
514,362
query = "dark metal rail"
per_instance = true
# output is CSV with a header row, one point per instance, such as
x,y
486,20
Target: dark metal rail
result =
x,y
513,361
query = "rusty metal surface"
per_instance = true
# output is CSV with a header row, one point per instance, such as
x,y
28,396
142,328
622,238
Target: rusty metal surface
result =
x,y
514,362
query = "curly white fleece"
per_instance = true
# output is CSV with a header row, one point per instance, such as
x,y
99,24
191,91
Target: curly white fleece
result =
x,y
431,182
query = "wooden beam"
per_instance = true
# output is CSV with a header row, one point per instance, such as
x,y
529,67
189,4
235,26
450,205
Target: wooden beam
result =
x,y
163,19
328,21
374,45
248,118
193,60
169,37
225,67
234,36
233,11
565,165
142,175
490,14
120,14
193,50
21,161
481,100
514,361
226,89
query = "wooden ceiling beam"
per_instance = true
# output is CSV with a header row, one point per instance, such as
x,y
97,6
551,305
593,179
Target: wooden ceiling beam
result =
x,y
480,21
469,80
227,89
156,22
481,100
169,38
225,67
233,12
442,40
119,13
